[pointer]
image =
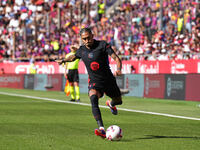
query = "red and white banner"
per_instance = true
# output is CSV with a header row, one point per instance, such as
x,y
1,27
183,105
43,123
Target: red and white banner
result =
x,y
41,67
141,67
160,67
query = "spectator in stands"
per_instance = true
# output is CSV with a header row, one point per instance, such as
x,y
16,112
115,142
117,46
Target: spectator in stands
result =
x,y
131,21
2,71
101,9
133,70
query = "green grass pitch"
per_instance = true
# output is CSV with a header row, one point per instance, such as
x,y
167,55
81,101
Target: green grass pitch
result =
x,y
34,124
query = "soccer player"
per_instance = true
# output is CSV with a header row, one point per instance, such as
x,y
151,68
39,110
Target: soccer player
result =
x,y
71,73
94,54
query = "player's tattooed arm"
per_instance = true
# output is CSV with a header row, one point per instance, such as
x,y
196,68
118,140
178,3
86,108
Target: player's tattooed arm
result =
x,y
68,59
119,63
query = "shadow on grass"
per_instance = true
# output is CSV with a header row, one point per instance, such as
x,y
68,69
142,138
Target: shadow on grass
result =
x,y
169,137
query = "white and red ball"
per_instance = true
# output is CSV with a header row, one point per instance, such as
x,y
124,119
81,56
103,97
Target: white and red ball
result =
x,y
114,133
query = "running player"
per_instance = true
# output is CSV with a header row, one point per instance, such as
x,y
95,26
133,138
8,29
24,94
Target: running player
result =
x,y
94,54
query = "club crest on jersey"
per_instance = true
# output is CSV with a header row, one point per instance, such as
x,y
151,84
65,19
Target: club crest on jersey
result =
x,y
94,66
90,55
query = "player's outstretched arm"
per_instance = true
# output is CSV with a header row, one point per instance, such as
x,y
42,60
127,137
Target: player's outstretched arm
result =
x,y
68,59
119,64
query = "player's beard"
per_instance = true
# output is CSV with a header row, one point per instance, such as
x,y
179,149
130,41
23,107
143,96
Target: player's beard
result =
x,y
89,44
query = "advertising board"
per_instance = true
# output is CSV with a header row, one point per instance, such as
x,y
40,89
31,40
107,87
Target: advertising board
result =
x,y
192,89
12,81
135,84
175,87
29,81
154,85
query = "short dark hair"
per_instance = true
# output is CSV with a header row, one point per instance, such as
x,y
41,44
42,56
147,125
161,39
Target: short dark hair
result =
x,y
87,29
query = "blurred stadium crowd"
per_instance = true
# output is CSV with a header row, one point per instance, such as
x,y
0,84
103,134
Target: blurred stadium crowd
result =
x,y
43,30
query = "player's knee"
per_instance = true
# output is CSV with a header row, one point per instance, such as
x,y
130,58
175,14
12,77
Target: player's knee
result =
x,y
117,101
120,102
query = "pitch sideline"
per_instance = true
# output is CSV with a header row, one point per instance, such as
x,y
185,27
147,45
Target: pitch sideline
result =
x,y
84,104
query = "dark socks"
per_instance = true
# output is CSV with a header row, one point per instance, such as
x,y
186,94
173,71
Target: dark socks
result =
x,y
95,110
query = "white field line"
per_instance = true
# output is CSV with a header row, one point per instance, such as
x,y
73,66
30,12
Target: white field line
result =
x,y
124,109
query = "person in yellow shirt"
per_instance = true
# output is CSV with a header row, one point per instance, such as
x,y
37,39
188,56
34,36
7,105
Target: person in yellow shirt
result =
x,y
72,75
33,68
101,9
180,22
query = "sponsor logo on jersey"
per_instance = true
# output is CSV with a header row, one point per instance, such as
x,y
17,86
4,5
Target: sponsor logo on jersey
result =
x,y
94,66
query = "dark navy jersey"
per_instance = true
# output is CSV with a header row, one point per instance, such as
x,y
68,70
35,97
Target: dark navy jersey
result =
x,y
96,61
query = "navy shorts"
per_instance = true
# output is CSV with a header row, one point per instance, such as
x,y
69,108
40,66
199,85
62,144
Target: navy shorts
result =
x,y
110,88
73,75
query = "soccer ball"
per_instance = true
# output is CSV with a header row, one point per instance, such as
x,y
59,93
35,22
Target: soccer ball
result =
x,y
114,133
